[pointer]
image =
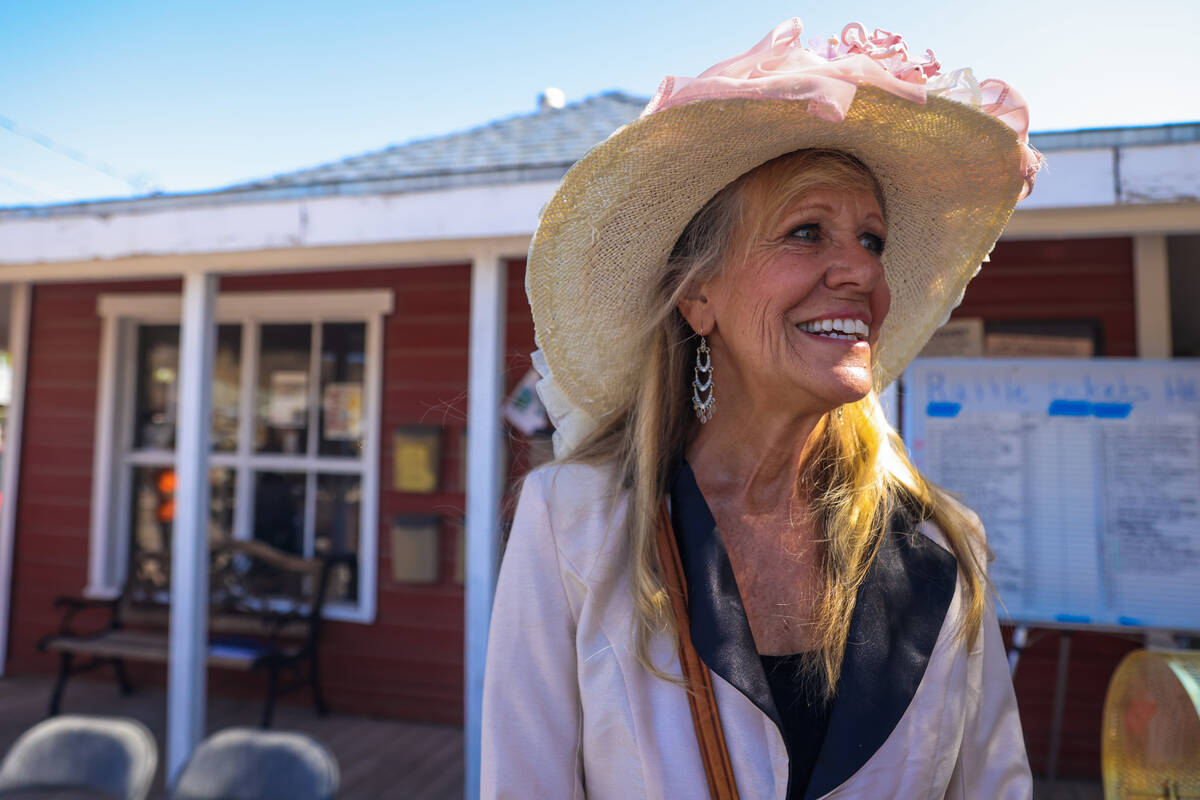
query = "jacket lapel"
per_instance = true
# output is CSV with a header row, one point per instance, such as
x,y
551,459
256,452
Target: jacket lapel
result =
x,y
898,615
718,625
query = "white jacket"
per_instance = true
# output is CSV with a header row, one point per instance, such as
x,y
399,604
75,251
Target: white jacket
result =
x,y
568,712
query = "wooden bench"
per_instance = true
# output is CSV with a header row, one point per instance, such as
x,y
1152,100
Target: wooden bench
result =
x,y
264,614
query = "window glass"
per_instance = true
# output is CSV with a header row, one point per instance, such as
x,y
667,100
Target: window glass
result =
x,y
339,501
226,391
157,364
279,510
343,354
283,366
153,515
156,392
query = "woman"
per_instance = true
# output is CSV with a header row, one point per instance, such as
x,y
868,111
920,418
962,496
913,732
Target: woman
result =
x,y
783,232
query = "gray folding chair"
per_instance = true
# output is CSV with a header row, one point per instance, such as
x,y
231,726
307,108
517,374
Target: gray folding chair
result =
x,y
254,764
110,757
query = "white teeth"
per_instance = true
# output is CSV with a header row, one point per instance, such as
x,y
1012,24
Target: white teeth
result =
x,y
851,329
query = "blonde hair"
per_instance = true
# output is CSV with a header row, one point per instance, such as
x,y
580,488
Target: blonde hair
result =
x,y
857,474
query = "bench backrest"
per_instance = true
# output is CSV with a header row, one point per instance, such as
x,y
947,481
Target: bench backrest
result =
x,y
254,589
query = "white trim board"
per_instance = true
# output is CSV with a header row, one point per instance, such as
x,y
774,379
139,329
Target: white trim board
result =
x,y
482,212
18,347
389,255
331,305
1102,221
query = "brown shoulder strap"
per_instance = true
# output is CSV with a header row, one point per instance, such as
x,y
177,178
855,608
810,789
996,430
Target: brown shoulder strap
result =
x,y
705,718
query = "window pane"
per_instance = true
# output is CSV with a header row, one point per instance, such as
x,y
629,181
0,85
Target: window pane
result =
x,y
226,391
283,363
279,510
153,514
343,353
157,387
157,362
338,504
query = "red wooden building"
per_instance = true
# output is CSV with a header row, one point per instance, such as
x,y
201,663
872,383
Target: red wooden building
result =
x,y
370,314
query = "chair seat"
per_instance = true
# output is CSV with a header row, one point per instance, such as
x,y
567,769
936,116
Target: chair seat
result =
x,y
113,756
258,765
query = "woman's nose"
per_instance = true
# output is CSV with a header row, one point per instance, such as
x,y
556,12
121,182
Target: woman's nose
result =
x,y
853,265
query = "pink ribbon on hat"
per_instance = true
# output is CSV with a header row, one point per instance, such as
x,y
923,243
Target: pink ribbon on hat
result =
x,y
780,68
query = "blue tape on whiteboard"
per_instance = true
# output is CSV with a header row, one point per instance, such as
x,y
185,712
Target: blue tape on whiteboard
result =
x,y
1129,621
1079,618
1070,408
943,409
1112,410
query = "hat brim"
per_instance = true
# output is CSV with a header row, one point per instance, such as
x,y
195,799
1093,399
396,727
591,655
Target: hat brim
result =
x,y
950,175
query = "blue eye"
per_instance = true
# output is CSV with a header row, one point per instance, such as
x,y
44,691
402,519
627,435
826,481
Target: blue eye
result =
x,y
872,242
807,233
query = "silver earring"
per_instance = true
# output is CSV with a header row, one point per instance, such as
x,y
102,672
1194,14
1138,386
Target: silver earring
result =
x,y
839,413
702,382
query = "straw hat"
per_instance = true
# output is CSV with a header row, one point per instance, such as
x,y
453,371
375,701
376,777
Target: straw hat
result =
x,y
951,156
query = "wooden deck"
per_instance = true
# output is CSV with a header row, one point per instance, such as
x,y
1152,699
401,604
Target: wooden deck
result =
x,y
378,758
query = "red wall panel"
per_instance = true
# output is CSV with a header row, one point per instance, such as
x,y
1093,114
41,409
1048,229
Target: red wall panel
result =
x,y
51,546
1070,279
409,663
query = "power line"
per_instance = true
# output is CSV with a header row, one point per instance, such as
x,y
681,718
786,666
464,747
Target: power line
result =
x,y
22,188
138,184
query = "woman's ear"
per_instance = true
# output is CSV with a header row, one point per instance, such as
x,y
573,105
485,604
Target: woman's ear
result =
x,y
697,310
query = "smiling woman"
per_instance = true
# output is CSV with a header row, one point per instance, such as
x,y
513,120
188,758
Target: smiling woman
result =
x,y
771,573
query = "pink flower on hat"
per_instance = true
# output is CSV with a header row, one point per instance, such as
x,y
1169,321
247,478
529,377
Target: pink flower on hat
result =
x,y
780,67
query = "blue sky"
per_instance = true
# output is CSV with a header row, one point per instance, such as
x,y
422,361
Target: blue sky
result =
x,y
184,95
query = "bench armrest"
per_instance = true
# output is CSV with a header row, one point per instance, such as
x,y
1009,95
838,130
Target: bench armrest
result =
x,y
73,605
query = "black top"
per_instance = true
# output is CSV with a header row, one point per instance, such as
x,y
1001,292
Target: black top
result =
x,y
804,714
900,608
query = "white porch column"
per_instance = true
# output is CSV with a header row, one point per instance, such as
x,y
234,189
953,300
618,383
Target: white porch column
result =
x,y
485,390
18,351
1152,296
189,536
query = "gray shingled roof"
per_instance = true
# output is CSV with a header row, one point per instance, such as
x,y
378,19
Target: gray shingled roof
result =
x,y
555,139
529,147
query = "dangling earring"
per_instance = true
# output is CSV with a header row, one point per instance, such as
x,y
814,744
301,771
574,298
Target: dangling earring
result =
x,y
702,381
839,413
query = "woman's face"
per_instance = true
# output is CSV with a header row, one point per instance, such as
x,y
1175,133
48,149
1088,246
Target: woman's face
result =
x,y
795,317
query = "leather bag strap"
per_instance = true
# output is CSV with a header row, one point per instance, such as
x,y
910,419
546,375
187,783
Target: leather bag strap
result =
x,y
705,717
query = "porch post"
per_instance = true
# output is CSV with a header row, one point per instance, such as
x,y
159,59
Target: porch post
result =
x,y
485,389
18,350
189,536
1152,296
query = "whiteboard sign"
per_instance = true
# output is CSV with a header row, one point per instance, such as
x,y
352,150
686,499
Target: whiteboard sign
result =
x,y
1086,475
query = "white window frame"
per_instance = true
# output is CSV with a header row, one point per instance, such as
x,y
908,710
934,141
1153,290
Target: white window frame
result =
x,y
110,512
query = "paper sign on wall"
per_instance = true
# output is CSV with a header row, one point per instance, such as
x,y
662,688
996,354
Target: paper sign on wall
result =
x,y
416,459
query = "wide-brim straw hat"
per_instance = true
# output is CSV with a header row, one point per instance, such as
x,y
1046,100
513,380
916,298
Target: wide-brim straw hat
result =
x,y
950,154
